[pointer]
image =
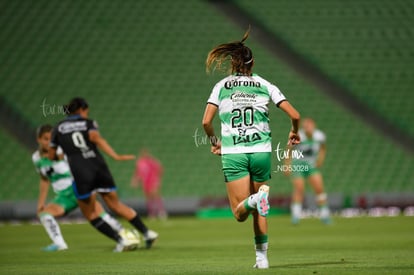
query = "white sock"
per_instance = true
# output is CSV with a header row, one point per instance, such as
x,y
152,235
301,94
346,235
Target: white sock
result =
x,y
296,209
322,201
261,251
252,201
52,229
117,226
324,212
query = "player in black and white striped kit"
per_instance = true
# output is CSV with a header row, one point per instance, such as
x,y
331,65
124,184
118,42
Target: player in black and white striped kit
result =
x,y
80,139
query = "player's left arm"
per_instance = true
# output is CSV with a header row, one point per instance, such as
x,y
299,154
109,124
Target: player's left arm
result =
x,y
321,156
95,137
43,191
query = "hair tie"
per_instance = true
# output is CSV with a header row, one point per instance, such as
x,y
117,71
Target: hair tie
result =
x,y
250,61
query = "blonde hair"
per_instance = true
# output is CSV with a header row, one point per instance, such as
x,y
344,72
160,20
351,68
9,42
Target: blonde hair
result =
x,y
241,56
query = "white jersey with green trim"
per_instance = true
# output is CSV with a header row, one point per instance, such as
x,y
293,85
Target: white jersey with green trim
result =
x,y
242,102
310,146
58,172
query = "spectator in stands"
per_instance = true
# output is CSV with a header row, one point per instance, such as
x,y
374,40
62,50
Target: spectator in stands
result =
x,y
148,173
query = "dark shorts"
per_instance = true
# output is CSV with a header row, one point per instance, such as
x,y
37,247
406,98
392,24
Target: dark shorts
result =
x,y
91,175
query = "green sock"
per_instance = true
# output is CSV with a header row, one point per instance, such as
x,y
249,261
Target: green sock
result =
x,y
261,243
261,239
247,206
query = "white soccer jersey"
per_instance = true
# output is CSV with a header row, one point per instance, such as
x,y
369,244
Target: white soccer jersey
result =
x,y
310,146
58,172
243,109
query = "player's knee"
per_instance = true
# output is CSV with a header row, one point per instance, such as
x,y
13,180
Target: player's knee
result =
x,y
90,215
42,213
114,207
322,197
240,218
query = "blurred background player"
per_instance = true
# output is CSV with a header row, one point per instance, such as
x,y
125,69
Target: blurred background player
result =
x,y
306,167
148,173
241,100
80,139
57,174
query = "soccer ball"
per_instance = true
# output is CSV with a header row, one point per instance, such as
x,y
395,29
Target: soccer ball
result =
x,y
130,235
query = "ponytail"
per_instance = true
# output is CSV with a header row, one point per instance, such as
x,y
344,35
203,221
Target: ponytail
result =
x,y
241,56
75,104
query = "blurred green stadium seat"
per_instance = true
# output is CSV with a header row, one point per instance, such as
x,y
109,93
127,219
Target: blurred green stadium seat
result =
x,y
365,46
140,64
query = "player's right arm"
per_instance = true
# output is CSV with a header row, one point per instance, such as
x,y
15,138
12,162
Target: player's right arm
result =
x,y
102,144
52,151
288,161
321,156
43,191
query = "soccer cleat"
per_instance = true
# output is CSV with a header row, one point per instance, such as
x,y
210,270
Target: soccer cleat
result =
x,y
150,238
325,215
263,202
54,247
295,220
326,220
261,264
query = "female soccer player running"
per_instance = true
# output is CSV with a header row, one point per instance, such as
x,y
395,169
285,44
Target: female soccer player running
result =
x,y
313,149
57,174
80,139
242,102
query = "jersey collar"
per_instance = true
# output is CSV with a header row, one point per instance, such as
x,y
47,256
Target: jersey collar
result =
x,y
73,117
240,74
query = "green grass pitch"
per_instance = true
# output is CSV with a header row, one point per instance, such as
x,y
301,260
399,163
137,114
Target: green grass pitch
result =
x,y
220,246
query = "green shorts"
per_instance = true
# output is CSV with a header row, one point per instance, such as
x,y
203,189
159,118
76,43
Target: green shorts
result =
x,y
237,166
66,199
302,169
